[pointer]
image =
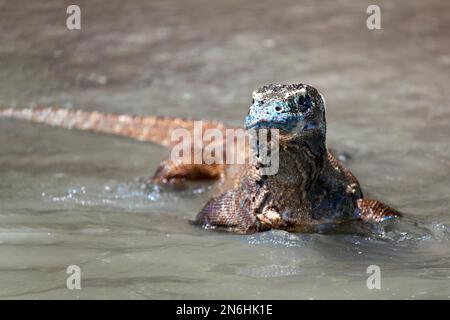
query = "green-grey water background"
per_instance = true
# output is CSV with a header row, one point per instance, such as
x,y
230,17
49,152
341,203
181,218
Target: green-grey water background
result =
x,y
69,197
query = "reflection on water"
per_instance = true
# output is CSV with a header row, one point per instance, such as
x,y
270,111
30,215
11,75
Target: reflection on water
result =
x,y
72,198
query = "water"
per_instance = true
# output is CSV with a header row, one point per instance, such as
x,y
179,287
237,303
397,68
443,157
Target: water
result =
x,y
72,198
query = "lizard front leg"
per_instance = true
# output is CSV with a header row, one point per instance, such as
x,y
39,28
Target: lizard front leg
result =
x,y
225,212
370,210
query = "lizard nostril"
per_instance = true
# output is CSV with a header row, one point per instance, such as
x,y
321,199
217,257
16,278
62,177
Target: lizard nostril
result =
x,y
278,109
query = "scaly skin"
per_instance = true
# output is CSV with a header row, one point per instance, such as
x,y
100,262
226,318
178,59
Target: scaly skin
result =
x,y
311,192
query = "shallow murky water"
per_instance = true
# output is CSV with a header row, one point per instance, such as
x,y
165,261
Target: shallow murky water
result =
x,y
71,197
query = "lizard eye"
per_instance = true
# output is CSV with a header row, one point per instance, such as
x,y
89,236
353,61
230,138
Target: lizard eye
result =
x,y
304,103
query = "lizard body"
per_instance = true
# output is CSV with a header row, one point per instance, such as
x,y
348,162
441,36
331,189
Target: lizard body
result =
x,y
312,191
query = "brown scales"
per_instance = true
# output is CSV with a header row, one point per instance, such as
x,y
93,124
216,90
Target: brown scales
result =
x,y
311,189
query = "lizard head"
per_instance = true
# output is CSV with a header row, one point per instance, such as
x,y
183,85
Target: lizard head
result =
x,y
297,110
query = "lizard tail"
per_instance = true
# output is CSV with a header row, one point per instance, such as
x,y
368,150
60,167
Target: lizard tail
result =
x,y
143,128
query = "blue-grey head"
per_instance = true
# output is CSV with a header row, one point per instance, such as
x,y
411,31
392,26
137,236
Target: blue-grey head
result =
x,y
297,110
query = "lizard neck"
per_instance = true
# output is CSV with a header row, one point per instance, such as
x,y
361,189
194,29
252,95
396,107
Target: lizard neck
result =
x,y
287,195
300,164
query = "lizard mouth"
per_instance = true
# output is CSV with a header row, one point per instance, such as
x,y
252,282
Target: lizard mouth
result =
x,y
268,124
